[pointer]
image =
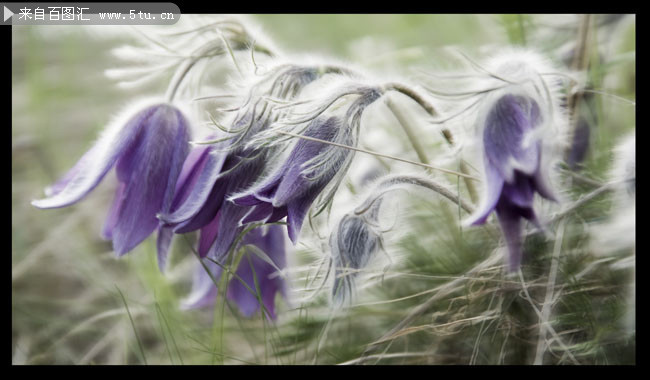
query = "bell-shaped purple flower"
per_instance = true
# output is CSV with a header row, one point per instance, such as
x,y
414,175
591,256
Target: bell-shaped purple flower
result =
x,y
290,190
210,174
353,244
148,153
513,169
256,272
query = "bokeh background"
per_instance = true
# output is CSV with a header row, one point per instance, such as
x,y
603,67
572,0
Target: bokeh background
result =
x,y
69,291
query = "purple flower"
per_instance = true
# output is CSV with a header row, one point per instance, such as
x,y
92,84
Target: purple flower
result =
x,y
257,273
148,153
353,244
513,170
294,186
210,174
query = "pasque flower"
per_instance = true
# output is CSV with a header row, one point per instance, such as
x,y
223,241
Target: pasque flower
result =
x,y
513,168
214,172
289,191
210,174
147,152
258,274
353,244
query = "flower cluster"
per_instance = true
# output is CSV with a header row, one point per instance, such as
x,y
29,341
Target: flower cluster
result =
x,y
276,153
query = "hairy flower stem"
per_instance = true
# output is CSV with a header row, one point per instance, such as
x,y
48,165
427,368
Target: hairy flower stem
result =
x,y
580,63
403,121
203,51
210,49
417,181
446,133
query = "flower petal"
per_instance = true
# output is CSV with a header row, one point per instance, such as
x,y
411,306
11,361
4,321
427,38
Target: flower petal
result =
x,y
192,167
247,200
228,229
294,183
150,169
521,192
111,219
94,164
511,119
200,192
208,235
296,212
261,212
254,270
493,186
208,211
278,213
510,221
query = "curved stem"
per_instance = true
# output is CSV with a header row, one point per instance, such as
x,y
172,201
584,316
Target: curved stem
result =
x,y
182,71
208,50
403,121
446,133
419,99
426,183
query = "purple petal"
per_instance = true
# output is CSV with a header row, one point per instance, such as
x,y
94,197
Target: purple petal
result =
x,y
192,167
261,212
94,164
493,187
294,184
208,211
296,212
263,192
253,269
247,200
239,178
529,214
521,192
228,230
510,221
150,168
507,124
208,235
201,190
111,220
278,213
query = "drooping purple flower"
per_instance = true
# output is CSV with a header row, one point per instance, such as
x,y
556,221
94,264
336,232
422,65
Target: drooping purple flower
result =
x,y
290,191
218,171
256,272
210,174
513,169
353,244
148,152
199,162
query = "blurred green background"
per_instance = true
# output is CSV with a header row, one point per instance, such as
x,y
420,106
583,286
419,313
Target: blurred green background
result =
x,y
66,282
